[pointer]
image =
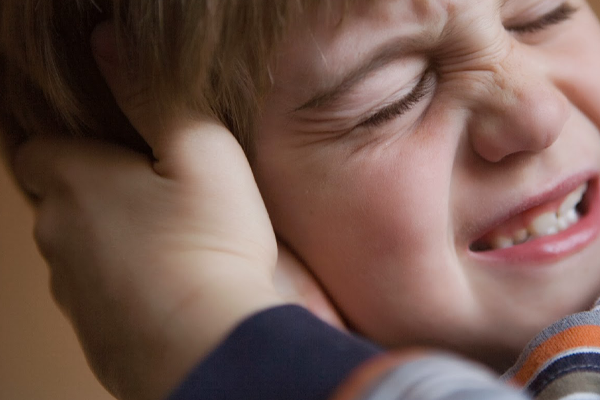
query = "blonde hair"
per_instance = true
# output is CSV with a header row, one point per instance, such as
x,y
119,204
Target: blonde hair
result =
x,y
211,56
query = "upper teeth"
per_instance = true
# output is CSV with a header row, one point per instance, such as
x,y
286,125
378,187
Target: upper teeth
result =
x,y
548,223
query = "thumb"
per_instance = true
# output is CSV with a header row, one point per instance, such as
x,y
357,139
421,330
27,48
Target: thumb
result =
x,y
129,92
176,137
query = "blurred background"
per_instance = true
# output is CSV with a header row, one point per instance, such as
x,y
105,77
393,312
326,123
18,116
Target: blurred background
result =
x,y
40,357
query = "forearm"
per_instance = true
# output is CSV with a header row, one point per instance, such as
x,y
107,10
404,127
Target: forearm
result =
x,y
281,353
287,353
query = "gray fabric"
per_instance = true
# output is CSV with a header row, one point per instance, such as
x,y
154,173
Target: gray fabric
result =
x,y
442,378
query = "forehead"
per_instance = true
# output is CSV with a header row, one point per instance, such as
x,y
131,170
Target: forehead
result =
x,y
347,31
321,48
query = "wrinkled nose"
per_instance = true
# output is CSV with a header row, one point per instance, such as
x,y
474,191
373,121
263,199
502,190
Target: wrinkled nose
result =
x,y
516,109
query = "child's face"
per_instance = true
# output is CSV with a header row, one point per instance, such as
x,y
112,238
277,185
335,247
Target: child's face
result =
x,y
402,144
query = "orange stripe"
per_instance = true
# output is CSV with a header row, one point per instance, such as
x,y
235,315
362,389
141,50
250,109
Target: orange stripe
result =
x,y
577,336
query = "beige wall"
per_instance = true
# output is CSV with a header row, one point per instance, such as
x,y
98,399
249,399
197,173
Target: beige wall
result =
x,y
39,355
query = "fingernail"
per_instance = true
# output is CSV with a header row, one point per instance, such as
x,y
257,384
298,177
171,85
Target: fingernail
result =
x,y
104,43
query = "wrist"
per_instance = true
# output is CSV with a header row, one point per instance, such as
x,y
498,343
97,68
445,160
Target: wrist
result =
x,y
199,327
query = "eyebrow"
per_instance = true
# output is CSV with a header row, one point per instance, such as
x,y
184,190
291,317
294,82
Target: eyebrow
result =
x,y
383,55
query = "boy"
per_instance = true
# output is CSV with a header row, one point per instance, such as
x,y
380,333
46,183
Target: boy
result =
x,y
477,122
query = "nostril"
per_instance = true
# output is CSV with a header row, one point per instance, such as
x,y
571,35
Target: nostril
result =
x,y
487,141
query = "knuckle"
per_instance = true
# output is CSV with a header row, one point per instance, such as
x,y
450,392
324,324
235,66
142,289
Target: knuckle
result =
x,y
66,172
24,164
71,181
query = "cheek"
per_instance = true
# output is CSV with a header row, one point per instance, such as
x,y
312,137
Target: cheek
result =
x,y
401,203
576,64
382,199
374,228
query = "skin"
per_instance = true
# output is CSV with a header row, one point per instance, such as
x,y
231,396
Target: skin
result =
x,y
384,215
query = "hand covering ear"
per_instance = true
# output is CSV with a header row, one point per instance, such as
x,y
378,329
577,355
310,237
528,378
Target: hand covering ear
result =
x,y
155,260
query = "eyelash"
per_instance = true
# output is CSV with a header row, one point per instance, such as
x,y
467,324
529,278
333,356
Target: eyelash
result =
x,y
400,107
563,13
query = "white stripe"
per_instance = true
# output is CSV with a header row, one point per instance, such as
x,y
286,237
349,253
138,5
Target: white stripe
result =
x,y
442,378
581,396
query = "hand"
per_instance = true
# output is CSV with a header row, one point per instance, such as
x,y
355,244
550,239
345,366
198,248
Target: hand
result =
x,y
297,285
152,261
155,261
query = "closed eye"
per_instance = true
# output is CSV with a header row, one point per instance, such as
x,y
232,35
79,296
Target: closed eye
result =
x,y
403,105
563,13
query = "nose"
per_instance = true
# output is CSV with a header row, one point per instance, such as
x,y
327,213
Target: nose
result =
x,y
517,108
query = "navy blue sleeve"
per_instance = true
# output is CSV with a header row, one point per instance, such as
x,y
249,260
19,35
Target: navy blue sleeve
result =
x,y
281,353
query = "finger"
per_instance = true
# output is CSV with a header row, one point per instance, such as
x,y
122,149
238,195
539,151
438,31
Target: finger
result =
x,y
45,165
135,97
173,135
128,90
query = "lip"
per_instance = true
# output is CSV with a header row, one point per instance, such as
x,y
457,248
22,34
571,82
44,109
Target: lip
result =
x,y
553,247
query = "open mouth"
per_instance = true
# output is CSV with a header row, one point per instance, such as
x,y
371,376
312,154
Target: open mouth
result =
x,y
544,220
